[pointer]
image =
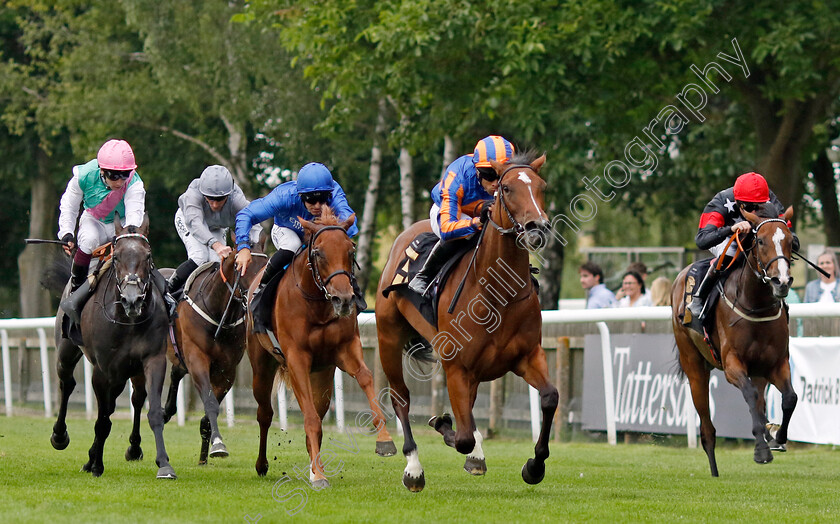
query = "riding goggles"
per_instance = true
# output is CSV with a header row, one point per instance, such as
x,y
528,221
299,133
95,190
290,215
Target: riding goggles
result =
x,y
112,174
316,197
216,198
487,173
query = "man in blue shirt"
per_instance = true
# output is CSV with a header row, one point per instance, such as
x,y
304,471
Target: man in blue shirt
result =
x,y
597,294
305,198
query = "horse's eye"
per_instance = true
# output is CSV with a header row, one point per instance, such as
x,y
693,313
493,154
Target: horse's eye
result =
x,y
506,189
760,242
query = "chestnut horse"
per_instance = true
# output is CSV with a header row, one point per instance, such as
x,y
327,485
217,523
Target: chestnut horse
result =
x,y
495,328
214,294
123,329
751,332
314,319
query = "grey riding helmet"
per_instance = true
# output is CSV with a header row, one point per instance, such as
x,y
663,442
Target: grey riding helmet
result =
x,y
215,181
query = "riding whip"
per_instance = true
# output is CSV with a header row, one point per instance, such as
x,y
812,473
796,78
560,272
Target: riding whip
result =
x,y
225,312
463,280
43,241
818,268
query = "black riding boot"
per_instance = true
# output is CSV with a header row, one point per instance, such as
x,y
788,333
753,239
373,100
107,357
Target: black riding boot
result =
x,y
441,252
79,292
274,270
702,293
160,282
176,282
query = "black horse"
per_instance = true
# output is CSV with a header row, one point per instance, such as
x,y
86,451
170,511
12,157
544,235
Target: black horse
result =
x,y
123,330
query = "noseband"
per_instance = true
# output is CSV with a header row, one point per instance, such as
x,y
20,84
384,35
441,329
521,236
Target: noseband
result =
x,y
762,266
132,279
321,283
516,228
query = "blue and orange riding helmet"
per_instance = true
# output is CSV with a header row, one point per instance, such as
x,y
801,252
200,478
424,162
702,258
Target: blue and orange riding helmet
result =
x,y
490,148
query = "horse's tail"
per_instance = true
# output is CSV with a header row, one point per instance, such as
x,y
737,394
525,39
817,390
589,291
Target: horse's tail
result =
x,y
56,275
418,348
677,366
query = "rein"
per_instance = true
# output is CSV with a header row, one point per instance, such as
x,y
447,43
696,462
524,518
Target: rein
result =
x,y
516,228
232,290
321,283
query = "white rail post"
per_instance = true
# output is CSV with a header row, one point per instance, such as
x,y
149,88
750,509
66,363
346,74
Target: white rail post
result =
x,y
229,407
339,399
609,394
7,372
45,372
283,406
181,404
534,395
88,388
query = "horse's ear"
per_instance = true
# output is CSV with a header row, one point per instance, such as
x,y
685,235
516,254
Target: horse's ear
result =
x,y
118,229
308,227
498,166
537,164
261,241
349,222
752,217
144,226
789,214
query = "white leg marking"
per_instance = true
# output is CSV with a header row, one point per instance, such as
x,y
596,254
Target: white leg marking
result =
x,y
413,469
477,452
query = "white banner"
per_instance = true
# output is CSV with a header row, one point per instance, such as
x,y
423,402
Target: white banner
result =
x,y
815,374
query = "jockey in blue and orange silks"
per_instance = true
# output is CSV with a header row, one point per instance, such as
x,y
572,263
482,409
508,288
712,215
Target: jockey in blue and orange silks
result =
x,y
462,201
305,198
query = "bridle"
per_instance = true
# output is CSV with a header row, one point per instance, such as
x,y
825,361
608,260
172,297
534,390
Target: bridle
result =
x,y
321,283
763,267
516,228
132,279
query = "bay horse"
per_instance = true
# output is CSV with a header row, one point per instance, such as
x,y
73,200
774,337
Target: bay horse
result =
x,y
314,319
216,295
123,327
751,333
495,329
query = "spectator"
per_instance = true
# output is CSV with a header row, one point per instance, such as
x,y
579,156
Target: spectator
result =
x,y
660,292
592,280
824,289
638,267
793,298
633,286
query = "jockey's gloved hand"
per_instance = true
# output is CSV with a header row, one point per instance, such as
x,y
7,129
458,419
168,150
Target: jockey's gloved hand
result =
x,y
795,243
484,211
68,237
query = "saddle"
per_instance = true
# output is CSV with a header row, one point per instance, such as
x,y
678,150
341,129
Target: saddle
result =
x,y
415,257
70,329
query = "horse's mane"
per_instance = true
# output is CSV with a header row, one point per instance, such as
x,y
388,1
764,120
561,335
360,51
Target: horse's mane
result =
x,y
524,157
327,217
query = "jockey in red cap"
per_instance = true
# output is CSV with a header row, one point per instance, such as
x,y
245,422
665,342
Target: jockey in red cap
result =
x,y
722,217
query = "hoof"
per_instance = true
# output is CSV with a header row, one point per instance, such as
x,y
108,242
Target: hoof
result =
x,y
763,456
533,473
86,468
775,446
262,469
475,466
413,484
219,450
386,449
166,472
133,453
61,442
439,422
320,484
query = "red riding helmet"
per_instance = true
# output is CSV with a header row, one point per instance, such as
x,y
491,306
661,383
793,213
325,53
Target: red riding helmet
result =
x,y
752,187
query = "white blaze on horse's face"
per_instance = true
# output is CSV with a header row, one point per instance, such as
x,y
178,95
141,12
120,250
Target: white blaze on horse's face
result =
x,y
778,236
525,178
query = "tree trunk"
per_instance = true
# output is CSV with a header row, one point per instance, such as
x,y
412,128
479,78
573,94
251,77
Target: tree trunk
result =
x,y
366,231
449,153
826,183
34,299
551,259
238,162
406,188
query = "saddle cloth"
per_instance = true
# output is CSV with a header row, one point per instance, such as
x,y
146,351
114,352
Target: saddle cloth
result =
x,y
415,257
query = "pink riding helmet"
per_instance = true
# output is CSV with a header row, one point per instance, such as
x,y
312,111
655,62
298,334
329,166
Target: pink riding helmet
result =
x,y
116,155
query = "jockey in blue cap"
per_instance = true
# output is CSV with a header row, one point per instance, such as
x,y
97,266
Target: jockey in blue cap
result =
x,y
305,198
462,201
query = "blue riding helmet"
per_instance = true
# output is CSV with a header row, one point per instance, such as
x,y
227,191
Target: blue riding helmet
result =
x,y
314,177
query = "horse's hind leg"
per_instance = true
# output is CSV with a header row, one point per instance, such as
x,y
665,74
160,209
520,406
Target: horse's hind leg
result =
x,y
781,379
155,371
695,368
534,370
264,367
68,357
199,366
352,363
138,397
175,377
736,375
390,332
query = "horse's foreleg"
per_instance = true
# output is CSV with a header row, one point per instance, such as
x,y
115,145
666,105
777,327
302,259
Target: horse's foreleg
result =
x,y
154,369
534,370
781,379
300,364
138,397
175,377
264,367
736,375
352,363
106,399
68,357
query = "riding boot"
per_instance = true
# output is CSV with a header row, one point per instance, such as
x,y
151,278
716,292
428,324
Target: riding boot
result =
x,y
79,292
176,282
698,300
274,270
441,252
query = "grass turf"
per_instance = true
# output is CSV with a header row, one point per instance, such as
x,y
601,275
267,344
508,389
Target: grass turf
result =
x,y
584,481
